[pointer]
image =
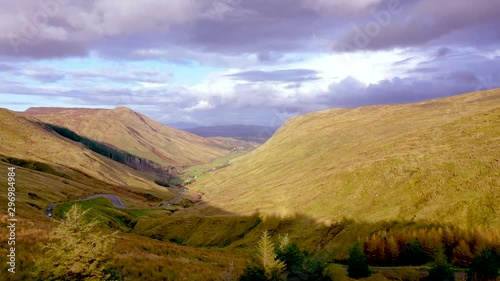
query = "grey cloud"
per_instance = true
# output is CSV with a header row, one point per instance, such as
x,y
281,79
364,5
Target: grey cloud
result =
x,y
443,51
229,28
47,77
352,93
421,22
286,75
5,67
403,62
423,70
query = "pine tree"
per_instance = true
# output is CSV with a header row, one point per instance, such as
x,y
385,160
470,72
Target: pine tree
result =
x,y
413,254
274,268
392,250
79,251
370,249
462,254
440,270
357,265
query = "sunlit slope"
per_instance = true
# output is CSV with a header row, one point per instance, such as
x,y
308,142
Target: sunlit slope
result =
x,y
437,160
24,139
135,133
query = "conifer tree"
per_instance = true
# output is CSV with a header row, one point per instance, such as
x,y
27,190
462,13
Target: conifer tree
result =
x,y
273,267
440,270
78,251
357,265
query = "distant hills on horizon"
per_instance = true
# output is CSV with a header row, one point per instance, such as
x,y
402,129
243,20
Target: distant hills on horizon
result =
x,y
241,132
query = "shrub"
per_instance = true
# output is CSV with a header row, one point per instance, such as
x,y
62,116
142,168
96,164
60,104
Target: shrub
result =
x,y
440,270
253,273
228,274
336,272
484,267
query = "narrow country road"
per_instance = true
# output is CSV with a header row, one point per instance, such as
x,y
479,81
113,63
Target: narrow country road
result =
x,y
166,203
115,200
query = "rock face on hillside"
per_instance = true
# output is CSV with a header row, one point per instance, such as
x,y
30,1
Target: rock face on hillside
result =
x,y
135,133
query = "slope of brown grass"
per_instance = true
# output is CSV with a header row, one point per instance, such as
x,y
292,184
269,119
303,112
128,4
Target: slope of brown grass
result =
x,y
135,133
134,257
21,138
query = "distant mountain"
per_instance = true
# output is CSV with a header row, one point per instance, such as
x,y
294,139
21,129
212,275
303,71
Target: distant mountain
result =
x,y
182,125
242,132
135,133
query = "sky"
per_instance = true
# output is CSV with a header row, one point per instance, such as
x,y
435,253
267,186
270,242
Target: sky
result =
x,y
219,62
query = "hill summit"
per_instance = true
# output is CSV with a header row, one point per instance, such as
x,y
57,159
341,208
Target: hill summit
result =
x,y
135,133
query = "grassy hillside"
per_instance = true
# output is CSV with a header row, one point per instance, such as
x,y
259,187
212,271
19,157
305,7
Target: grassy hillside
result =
x,y
134,133
50,168
26,140
434,161
134,257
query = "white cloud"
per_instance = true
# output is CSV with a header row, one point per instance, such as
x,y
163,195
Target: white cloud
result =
x,y
200,106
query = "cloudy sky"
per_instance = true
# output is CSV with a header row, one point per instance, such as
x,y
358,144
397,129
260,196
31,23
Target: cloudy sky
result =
x,y
243,61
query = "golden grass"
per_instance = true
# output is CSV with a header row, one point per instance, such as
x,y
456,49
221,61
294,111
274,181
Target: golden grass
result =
x,y
135,257
27,140
135,133
434,161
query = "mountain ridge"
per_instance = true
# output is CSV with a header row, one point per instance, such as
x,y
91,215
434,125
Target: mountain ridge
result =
x,y
131,131
242,132
24,138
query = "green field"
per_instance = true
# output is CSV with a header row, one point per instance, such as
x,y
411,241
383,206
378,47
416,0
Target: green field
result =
x,y
199,172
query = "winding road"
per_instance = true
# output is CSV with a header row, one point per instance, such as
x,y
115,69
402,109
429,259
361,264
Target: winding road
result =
x,y
115,200
166,203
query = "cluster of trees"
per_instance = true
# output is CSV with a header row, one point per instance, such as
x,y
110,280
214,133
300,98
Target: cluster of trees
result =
x,y
285,262
485,266
418,247
357,266
115,154
427,246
